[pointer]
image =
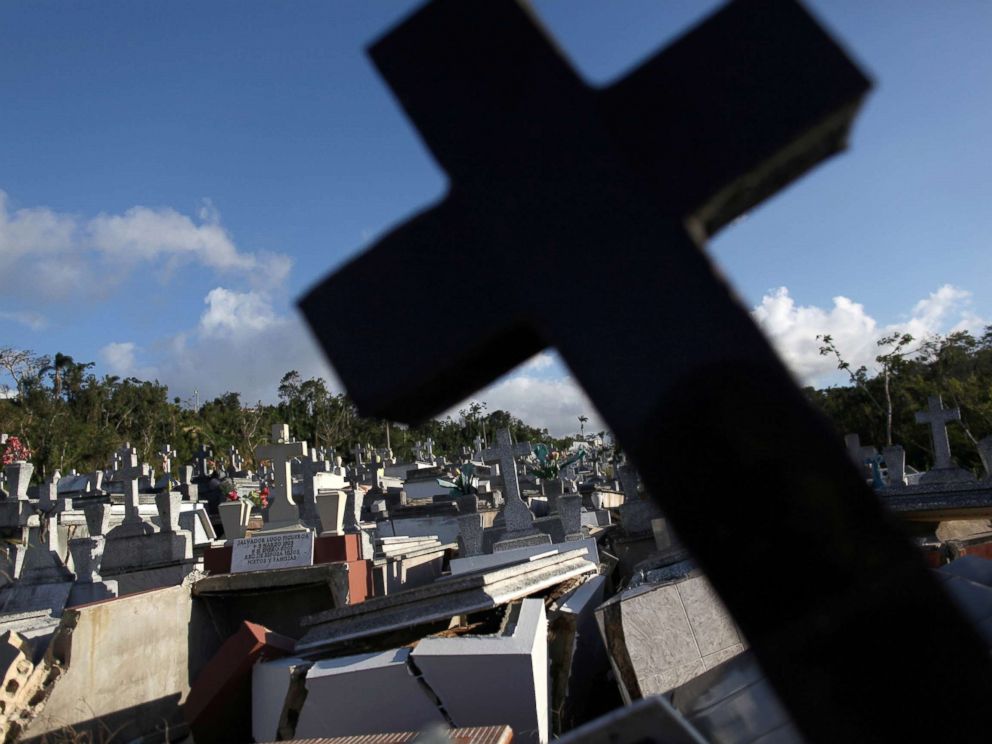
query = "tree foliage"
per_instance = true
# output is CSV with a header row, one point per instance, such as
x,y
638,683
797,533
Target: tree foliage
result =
x,y
881,404
71,419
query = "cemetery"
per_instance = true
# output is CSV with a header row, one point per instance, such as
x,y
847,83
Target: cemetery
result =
x,y
722,565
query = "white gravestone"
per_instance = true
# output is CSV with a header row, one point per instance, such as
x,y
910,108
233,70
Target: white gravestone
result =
x,y
284,512
276,550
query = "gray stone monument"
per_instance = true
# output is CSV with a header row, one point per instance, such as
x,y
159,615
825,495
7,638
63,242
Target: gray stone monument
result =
x,y
944,468
518,520
284,513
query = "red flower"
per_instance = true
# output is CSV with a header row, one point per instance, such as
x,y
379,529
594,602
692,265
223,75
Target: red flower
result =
x,y
15,450
264,493
232,496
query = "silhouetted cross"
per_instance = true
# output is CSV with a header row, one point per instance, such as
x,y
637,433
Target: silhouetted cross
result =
x,y
551,178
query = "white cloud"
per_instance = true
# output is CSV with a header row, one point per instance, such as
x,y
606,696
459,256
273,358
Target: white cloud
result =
x,y
119,357
46,255
554,403
240,344
793,329
34,321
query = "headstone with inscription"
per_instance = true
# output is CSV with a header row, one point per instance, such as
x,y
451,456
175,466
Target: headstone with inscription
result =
x,y
265,552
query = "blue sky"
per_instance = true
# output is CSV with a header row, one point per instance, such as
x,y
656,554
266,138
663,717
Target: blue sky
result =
x,y
176,174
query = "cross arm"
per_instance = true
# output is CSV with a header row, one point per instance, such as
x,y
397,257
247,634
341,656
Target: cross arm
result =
x,y
424,265
739,107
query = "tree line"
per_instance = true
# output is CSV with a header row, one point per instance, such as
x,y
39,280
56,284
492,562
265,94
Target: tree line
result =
x,y
72,419
880,403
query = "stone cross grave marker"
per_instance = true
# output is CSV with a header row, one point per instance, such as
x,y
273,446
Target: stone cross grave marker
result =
x,y
283,510
545,171
166,453
478,443
130,475
234,457
429,449
937,417
202,458
517,516
418,451
358,452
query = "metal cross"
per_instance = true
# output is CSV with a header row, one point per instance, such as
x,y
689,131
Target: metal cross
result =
x,y
549,173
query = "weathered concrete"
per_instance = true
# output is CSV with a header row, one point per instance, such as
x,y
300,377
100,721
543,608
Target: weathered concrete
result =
x,y
127,667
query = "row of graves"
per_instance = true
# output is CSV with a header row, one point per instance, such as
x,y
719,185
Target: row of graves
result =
x,y
511,592
947,508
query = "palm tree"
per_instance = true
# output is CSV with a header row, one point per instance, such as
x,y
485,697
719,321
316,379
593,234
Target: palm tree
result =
x,y
582,425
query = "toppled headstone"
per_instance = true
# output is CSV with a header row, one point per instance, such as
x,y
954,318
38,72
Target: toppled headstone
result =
x,y
660,636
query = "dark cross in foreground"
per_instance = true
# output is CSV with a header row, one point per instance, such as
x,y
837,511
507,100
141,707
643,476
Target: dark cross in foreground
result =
x,y
556,186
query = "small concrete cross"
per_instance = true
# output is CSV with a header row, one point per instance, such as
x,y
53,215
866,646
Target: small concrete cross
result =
x,y
234,457
429,447
203,455
505,453
479,443
130,475
283,509
938,416
166,453
418,451
358,452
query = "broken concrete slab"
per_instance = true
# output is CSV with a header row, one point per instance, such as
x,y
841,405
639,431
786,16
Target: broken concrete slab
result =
x,y
733,703
652,719
220,695
488,561
270,685
445,598
512,687
365,694
660,636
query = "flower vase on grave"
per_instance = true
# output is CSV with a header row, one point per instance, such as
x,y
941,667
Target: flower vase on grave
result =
x,y
234,516
18,475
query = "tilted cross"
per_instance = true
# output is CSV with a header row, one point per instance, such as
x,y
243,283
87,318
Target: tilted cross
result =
x,y
938,416
505,453
130,474
283,510
548,173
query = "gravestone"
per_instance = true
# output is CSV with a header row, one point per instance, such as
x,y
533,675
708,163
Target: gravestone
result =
x,y
944,469
895,464
861,455
985,452
283,510
651,166
264,552
518,520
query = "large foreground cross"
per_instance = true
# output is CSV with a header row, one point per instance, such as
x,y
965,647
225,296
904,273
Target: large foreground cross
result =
x,y
550,177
